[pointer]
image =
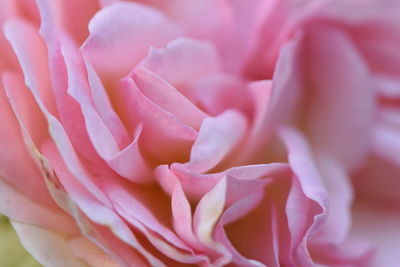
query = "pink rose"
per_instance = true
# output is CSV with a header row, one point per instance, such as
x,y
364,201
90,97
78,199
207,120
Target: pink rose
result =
x,y
206,133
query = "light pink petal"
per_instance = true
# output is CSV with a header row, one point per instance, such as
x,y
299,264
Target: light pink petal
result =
x,y
168,98
49,248
217,137
183,61
339,77
379,226
132,24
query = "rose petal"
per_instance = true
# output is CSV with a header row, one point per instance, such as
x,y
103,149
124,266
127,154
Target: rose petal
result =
x,y
219,92
217,137
91,207
70,113
206,217
337,183
22,119
164,137
168,98
21,47
284,96
183,61
384,237
182,218
18,207
104,108
339,77
307,186
132,24
49,248
89,253
81,11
